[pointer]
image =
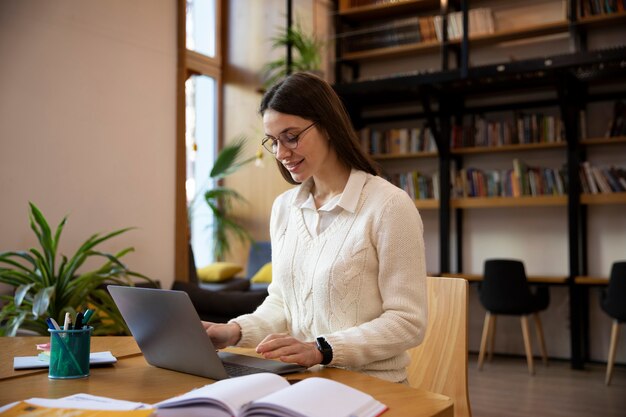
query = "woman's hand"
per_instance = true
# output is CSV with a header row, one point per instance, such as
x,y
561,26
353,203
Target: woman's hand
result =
x,y
289,349
222,335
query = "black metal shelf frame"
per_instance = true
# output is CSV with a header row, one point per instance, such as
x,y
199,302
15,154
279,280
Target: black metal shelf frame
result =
x,y
567,78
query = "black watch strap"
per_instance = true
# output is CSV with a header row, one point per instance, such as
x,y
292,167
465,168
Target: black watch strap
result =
x,y
325,349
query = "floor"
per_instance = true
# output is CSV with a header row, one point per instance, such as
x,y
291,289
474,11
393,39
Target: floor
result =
x,y
505,389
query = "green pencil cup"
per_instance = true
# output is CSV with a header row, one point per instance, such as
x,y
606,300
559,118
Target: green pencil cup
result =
x,y
69,353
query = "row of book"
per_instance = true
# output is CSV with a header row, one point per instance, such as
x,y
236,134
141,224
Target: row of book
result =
x,y
480,22
417,185
416,29
520,180
397,141
598,7
526,128
595,180
361,3
397,32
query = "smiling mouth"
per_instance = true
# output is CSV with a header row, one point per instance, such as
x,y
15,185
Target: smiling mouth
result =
x,y
293,165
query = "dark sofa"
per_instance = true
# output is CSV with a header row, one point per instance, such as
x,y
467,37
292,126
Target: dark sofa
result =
x,y
220,302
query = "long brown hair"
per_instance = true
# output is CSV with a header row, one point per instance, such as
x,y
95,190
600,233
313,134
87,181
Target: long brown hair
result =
x,y
306,95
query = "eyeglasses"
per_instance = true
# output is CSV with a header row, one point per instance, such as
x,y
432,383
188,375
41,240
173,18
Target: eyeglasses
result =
x,y
287,139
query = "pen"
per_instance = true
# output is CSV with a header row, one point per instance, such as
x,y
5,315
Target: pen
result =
x,y
67,321
52,324
87,316
79,321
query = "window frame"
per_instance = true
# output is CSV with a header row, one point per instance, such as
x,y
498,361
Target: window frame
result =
x,y
192,63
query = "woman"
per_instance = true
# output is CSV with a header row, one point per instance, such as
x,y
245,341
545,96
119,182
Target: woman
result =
x,y
349,277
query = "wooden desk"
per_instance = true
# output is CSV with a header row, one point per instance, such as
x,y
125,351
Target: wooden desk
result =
x,y
583,280
131,378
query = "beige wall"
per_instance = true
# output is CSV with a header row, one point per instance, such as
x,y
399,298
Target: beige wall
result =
x,y
87,123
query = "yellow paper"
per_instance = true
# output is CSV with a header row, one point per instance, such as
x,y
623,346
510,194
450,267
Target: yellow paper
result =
x,y
24,409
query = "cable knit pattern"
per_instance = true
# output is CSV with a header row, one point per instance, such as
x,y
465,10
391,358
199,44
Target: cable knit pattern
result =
x,y
361,283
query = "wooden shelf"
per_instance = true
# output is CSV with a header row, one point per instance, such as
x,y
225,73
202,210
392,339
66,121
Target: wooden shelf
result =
x,y
601,19
378,11
525,201
392,51
433,46
603,198
427,204
543,29
535,279
381,157
507,148
614,140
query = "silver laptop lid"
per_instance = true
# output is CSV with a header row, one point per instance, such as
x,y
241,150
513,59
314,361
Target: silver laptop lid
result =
x,y
168,330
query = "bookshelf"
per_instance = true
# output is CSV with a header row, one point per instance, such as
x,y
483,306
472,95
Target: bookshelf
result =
x,y
564,71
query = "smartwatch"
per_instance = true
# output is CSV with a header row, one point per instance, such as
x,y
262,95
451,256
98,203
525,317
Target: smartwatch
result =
x,y
325,349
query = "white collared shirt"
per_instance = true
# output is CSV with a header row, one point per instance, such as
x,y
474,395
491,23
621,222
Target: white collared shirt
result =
x,y
318,219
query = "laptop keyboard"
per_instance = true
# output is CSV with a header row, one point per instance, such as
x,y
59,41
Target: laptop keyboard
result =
x,y
235,369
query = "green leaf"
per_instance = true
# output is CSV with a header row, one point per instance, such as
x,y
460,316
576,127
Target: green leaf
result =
x,y
57,234
229,159
14,323
21,292
42,301
44,235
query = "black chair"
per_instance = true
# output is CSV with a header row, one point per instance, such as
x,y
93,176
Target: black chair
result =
x,y
613,302
505,291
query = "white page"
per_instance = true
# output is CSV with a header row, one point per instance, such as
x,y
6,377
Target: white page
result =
x,y
234,393
320,397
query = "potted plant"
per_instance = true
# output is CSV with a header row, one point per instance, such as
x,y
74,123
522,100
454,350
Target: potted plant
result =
x,y
306,54
221,199
46,286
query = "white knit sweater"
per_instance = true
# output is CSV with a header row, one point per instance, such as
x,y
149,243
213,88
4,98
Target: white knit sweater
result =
x,y
361,284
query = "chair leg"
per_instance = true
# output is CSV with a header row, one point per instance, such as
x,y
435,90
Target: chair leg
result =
x,y
613,347
492,337
529,353
483,339
542,342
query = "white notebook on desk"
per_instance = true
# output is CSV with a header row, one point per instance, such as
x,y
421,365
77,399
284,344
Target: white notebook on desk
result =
x,y
34,362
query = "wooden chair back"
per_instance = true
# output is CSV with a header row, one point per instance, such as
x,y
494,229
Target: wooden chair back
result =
x,y
439,363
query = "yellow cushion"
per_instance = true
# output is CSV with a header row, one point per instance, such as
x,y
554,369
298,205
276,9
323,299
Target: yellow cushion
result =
x,y
264,274
218,271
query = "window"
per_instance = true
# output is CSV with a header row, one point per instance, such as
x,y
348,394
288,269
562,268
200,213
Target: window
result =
x,y
199,84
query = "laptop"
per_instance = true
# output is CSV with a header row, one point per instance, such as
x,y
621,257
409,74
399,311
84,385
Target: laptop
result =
x,y
169,333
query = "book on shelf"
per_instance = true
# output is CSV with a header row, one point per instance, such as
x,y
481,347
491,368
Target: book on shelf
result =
x,y
526,128
252,395
362,3
588,8
427,28
396,32
399,141
416,184
595,180
480,22
520,180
